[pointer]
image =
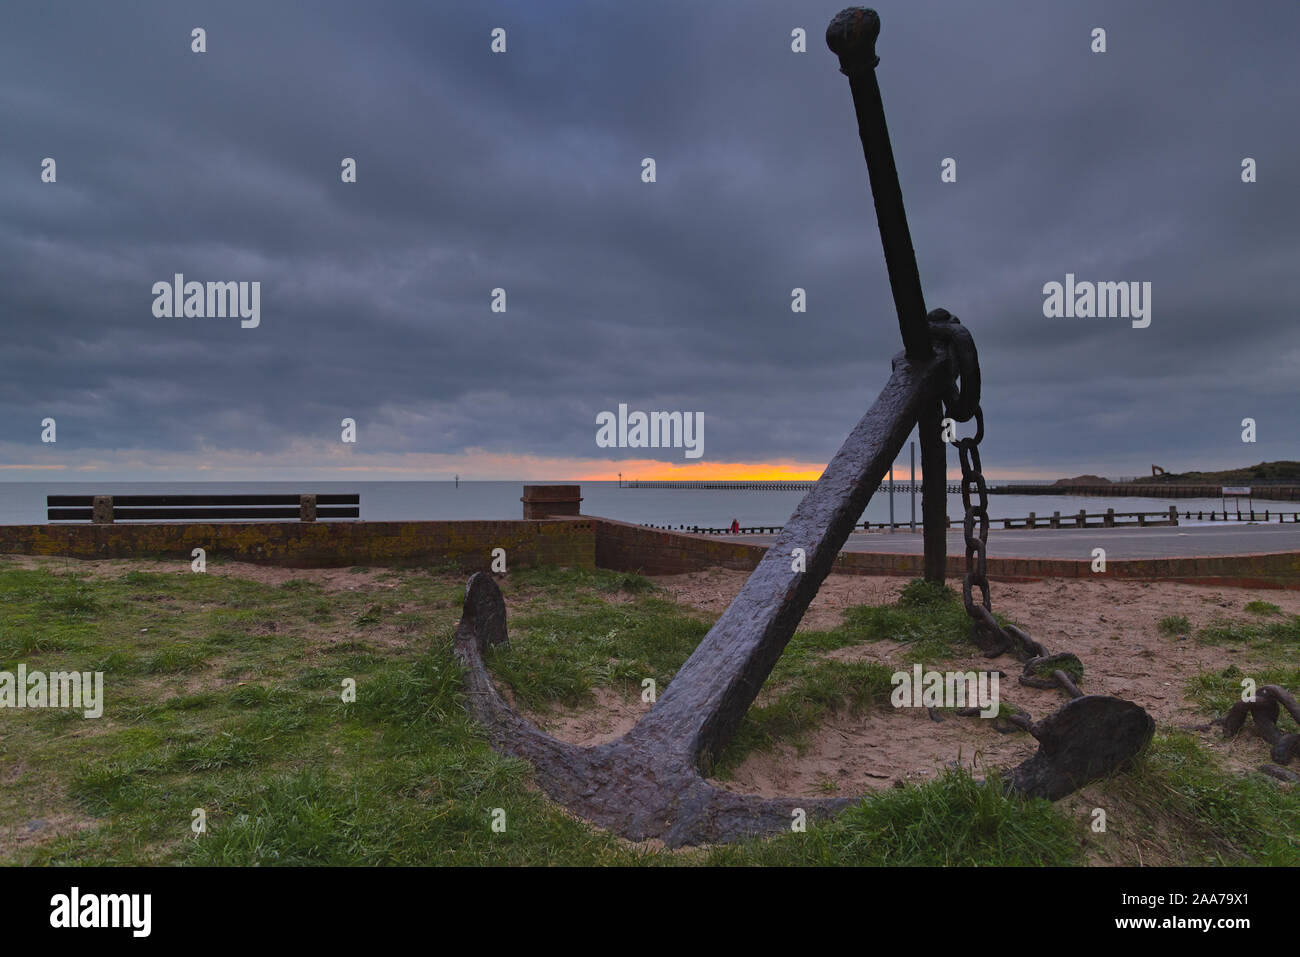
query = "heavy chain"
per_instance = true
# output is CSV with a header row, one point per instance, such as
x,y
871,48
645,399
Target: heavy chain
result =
x,y
1264,709
1042,669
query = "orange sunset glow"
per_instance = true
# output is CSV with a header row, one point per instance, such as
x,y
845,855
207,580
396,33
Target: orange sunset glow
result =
x,y
650,470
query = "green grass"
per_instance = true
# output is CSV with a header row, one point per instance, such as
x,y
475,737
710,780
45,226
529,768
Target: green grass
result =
x,y
952,821
225,695
1272,636
601,581
1262,608
1181,796
557,655
1072,667
931,620
1217,691
1174,625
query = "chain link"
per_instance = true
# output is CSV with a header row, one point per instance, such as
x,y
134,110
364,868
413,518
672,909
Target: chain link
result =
x,y
1265,709
1042,669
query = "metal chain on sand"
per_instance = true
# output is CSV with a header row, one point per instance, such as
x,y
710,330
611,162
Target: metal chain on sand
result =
x,y
1041,668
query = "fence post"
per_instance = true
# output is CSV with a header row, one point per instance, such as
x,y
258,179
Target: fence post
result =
x,y
891,497
1033,521
1056,520
1083,518
306,508
1173,515
1110,518
101,512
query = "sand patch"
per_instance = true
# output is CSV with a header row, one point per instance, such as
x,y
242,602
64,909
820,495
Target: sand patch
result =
x,y
713,589
1110,625
609,716
854,754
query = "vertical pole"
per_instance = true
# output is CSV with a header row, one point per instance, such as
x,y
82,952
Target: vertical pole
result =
x,y
934,490
891,498
913,488
101,510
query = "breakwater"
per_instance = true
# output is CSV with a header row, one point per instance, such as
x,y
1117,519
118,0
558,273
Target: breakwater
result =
x,y
1284,493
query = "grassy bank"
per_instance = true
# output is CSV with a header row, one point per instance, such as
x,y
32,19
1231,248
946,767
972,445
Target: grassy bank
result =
x,y
225,695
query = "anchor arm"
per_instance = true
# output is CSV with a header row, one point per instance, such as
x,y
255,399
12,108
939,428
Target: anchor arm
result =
x,y
702,707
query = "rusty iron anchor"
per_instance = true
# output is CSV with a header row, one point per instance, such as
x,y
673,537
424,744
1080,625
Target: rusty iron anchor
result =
x,y
650,783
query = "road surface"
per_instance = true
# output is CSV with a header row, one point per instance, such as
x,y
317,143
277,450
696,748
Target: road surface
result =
x,y
1170,542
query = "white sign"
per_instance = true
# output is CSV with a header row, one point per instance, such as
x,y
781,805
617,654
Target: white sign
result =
x,y
1236,490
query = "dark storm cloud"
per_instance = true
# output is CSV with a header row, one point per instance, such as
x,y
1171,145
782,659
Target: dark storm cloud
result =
x,y
522,171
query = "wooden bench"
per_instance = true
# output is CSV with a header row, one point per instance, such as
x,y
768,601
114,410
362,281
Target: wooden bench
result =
x,y
106,509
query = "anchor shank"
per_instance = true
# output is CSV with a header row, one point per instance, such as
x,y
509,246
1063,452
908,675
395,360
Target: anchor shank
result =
x,y
706,700
852,36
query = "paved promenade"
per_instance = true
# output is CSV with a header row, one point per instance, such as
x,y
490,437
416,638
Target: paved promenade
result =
x,y
1078,543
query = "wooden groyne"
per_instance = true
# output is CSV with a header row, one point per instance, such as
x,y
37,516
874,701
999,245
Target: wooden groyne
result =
x,y
1080,519
1285,493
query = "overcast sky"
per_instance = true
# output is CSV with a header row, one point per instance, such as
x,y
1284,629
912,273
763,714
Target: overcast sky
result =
x,y
523,171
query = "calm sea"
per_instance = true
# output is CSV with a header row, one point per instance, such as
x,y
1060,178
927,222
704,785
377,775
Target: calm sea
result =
x,y
23,503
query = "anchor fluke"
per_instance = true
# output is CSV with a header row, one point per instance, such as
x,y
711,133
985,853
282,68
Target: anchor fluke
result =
x,y
1089,738
641,786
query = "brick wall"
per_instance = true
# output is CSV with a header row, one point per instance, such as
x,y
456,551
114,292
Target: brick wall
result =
x,y
320,544
650,551
581,541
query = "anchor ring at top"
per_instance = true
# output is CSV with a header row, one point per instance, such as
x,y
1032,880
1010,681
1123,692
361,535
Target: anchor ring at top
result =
x,y
963,362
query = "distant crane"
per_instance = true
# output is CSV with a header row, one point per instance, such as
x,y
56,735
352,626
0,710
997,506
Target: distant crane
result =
x,y
1157,470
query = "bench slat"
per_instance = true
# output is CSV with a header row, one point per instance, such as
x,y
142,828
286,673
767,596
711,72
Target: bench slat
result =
x,y
85,501
199,514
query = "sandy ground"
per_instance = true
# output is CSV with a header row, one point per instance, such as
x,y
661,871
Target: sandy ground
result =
x,y
1111,626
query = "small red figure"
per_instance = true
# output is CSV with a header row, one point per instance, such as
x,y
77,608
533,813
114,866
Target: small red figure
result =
x,y
735,526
